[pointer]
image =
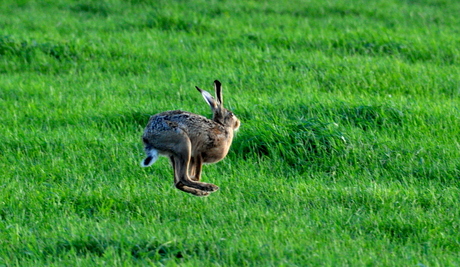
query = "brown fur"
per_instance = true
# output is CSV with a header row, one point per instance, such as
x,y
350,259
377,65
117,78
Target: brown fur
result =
x,y
190,140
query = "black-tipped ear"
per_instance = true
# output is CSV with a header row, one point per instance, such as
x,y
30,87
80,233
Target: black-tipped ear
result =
x,y
218,89
208,98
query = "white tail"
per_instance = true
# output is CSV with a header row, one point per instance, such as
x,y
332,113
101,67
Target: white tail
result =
x,y
152,156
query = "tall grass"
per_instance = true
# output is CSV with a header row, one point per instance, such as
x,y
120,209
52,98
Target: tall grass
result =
x,y
348,153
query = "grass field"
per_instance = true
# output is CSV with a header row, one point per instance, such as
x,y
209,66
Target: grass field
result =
x,y
348,153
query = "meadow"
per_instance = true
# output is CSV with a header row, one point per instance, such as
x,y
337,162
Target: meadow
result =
x,y
348,153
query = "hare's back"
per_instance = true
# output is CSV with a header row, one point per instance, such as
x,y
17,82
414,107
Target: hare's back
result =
x,y
186,121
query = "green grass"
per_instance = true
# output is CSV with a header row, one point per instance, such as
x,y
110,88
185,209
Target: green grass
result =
x,y
348,153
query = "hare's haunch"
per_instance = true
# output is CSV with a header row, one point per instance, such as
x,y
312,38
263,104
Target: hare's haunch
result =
x,y
189,140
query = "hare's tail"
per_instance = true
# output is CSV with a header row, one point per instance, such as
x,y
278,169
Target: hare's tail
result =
x,y
152,156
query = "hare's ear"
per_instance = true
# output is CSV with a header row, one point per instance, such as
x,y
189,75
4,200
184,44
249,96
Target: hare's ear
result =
x,y
209,99
218,89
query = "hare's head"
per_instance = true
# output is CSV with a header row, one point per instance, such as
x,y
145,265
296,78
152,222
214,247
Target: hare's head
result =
x,y
221,115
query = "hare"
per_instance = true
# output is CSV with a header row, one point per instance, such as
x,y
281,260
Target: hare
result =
x,y
190,140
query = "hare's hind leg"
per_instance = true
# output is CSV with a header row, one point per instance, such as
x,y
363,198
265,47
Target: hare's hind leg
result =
x,y
182,155
183,181
179,185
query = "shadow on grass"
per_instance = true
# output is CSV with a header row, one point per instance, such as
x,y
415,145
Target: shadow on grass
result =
x,y
157,251
29,50
370,117
168,23
295,142
98,246
92,8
